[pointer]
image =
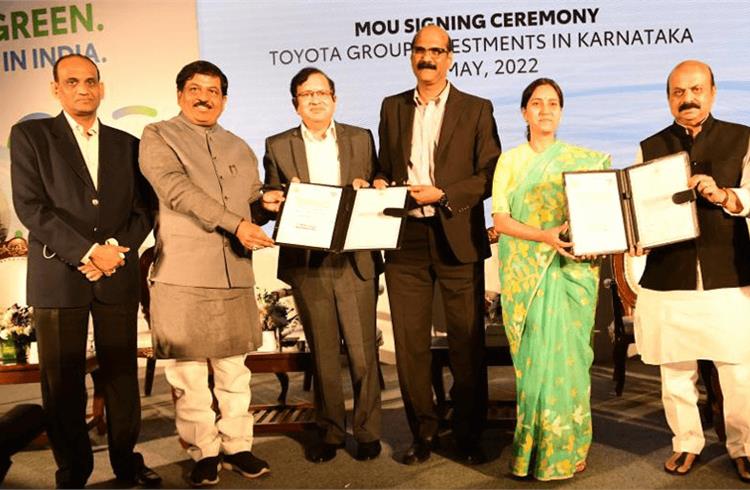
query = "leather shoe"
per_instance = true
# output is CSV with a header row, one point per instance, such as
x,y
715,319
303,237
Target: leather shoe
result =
x,y
368,450
142,476
322,452
419,452
472,455
146,477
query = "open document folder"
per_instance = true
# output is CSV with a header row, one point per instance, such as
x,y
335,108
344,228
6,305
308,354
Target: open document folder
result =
x,y
646,205
341,219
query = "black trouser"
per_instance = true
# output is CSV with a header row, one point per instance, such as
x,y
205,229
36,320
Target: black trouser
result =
x,y
412,273
334,304
61,333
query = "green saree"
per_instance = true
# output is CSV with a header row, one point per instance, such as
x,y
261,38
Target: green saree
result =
x,y
548,309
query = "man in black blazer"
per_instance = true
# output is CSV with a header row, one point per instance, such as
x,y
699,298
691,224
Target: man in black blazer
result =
x,y
443,143
336,294
77,189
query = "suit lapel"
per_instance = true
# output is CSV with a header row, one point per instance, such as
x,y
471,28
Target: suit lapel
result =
x,y
450,121
299,156
108,170
69,149
406,122
345,151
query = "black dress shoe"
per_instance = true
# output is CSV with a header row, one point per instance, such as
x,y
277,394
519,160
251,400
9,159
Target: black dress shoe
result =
x,y
472,455
322,452
146,477
419,452
143,476
368,450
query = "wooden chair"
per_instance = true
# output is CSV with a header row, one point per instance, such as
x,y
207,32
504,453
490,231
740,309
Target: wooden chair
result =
x,y
626,271
13,265
147,351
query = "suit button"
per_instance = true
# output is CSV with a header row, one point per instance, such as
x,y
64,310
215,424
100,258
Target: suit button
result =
x,y
95,201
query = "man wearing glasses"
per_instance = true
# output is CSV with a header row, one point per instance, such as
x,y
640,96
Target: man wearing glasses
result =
x,y
336,294
443,143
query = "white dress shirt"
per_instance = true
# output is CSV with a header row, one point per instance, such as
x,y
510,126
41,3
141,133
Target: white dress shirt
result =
x,y
88,143
322,156
428,119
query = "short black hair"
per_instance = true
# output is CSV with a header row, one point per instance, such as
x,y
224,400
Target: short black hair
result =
x,y
201,67
73,55
529,91
302,76
450,41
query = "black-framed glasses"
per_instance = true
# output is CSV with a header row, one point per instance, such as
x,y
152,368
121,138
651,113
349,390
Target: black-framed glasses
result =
x,y
421,51
309,94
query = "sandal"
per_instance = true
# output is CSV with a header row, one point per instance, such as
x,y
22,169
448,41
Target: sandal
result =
x,y
682,467
742,465
580,467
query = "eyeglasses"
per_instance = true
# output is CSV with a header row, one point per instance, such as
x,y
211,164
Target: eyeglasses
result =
x,y
309,94
421,51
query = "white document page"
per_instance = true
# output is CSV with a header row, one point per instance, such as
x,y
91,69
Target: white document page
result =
x,y
309,215
658,219
369,228
595,214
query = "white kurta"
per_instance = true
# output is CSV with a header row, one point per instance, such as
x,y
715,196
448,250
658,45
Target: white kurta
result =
x,y
676,326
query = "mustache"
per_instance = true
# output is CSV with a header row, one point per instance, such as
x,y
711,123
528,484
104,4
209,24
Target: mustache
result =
x,y
688,105
203,103
426,65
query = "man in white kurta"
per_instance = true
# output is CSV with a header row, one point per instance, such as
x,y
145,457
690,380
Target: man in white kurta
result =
x,y
695,297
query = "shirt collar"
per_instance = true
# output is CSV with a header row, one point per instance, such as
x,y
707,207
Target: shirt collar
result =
x,y
307,135
78,129
441,98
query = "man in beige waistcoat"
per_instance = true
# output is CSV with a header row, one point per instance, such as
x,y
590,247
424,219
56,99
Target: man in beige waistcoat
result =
x,y
202,299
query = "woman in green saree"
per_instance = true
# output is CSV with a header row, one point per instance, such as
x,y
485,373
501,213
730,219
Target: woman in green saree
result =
x,y
548,295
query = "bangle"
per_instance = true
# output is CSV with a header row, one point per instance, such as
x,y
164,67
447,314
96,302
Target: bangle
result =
x,y
726,198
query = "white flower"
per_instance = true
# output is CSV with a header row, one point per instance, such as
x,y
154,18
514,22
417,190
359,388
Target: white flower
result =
x,y
4,334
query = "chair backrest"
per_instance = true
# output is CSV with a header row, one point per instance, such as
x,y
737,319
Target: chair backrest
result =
x,y
145,261
627,271
13,265
13,281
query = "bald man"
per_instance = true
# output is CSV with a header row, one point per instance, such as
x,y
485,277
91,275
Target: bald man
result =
x,y
443,143
695,300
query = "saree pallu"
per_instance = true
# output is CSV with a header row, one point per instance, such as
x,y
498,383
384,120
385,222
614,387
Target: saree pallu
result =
x,y
548,309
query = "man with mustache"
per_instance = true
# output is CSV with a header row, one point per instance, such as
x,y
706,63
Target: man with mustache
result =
x,y
443,143
203,305
695,297
77,189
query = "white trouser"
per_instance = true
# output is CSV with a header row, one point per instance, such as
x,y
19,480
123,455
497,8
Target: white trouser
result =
x,y
195,418
680,398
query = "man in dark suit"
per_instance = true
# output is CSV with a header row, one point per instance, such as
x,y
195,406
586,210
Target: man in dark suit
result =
x,y
77,189
336,294
443,143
